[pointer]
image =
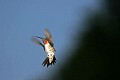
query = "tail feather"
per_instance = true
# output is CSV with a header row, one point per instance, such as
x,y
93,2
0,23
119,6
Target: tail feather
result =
x,y
54,60
46,62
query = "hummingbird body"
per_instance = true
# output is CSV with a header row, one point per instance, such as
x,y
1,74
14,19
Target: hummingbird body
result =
x,y
49,52
48,48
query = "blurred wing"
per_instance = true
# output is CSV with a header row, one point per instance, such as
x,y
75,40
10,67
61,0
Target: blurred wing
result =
x,y
38,42
49,37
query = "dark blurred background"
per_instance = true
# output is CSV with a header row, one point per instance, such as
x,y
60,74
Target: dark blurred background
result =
x,y
96,52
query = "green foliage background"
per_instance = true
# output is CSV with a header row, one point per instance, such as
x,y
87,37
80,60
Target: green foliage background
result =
x,y
98,56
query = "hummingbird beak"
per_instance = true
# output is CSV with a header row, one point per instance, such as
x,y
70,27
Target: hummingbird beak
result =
x,y
41,38
38,37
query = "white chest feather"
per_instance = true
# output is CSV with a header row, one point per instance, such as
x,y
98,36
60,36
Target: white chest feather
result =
x,y
49,51
48,48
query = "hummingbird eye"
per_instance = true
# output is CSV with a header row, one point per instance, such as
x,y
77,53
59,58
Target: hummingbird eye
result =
x,y
46,41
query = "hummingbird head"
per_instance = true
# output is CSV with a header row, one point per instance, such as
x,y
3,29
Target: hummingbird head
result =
x,y
44,41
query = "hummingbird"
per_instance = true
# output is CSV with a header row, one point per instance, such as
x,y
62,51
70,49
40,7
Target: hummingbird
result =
x,y
48,47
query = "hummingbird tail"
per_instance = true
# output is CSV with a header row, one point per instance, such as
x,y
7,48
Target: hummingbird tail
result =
x,y
54,60
46,62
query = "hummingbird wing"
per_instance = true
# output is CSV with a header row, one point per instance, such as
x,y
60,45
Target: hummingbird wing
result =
x,y
49,37
38,42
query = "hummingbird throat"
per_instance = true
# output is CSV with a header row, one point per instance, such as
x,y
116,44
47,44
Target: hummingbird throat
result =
x,y
45,42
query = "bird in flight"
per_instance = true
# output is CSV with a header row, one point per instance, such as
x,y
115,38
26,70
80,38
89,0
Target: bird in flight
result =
x,y
48,47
